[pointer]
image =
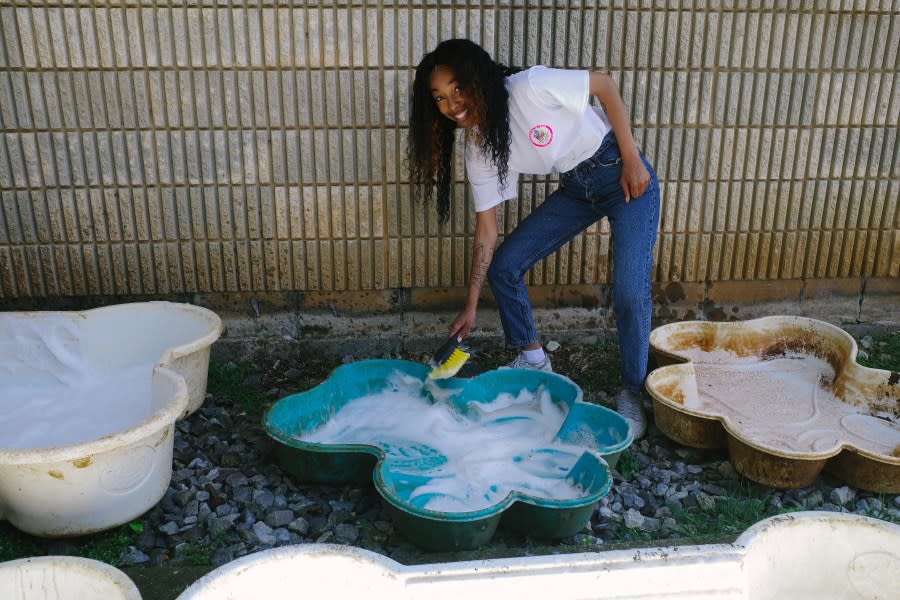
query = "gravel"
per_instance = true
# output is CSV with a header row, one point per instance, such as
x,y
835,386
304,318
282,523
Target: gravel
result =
x,y
228,498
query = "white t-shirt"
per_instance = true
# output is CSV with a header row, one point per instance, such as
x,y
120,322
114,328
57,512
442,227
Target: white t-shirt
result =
x,y
553,127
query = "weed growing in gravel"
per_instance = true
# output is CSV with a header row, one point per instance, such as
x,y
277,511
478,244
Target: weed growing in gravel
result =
x,y
729,516
198,554
878,510
627,465
227,381
885,353
15,544
106,546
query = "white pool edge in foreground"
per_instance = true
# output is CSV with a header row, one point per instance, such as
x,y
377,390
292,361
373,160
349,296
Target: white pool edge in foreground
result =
x,y
797,555
64,578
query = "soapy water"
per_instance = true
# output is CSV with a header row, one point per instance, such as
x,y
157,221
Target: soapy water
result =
x,y
787,399
459,461
50,393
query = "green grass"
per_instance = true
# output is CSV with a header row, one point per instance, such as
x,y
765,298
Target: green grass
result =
x,y
880,512
729,516
106,546
627,465
197,554
884,353
15,544
226,382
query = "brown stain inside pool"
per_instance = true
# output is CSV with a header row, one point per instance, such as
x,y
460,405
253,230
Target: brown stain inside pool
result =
x,y
672,391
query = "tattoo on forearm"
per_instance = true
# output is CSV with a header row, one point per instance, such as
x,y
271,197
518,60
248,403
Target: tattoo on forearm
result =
x,y
481,260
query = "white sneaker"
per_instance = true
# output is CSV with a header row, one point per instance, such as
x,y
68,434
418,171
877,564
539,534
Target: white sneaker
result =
x,y
630,405
523,363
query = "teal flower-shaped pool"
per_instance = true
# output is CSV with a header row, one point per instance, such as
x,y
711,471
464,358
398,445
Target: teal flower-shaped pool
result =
x,y
454,457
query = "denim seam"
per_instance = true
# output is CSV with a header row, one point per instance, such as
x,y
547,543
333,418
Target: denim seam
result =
x,y
650,241
526,314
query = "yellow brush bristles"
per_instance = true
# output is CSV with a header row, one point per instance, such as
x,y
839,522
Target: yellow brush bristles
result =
x,y
451,366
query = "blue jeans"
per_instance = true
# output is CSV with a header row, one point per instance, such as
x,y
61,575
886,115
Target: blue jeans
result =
x,y
586,194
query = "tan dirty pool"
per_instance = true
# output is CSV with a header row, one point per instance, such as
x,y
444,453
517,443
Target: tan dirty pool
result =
x,y
784,394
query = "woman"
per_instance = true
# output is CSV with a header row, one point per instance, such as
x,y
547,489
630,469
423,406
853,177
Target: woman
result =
x,y
537,121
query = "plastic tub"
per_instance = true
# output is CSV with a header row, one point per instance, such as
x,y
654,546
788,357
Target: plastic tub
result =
x,y
64,578
599,435
91,399
805,555
784,394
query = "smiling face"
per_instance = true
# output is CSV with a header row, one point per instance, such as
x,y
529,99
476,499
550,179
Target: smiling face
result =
x,y
450,98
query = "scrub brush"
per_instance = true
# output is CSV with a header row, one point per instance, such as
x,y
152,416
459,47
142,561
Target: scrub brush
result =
x,y
449,359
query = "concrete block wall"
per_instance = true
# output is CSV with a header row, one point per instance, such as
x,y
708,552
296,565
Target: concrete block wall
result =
x,y
172,148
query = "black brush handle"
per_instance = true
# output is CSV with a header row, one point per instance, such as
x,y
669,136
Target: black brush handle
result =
x,y
446,350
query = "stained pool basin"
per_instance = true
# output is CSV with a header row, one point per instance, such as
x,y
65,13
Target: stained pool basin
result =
x,y
803,556
90,400
441,498
64,578
784,394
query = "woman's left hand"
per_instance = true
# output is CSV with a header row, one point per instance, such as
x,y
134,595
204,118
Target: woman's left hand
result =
x,y
635,178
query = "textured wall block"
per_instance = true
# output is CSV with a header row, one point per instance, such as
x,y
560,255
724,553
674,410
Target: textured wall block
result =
x,y
255,147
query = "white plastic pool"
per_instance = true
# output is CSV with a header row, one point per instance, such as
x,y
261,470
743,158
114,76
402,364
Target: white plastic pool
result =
x,y
64,578
90,400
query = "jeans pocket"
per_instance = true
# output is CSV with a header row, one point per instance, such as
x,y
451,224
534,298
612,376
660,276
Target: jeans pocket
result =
x,y
614,162
608,157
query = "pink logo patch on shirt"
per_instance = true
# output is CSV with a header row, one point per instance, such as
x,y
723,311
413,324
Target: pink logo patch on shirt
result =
x,y
541,135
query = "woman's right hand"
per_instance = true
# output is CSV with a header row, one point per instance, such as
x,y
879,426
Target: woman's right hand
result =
x,y
463,324
635,178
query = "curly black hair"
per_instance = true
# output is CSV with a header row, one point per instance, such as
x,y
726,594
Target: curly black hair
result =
x,y
430,147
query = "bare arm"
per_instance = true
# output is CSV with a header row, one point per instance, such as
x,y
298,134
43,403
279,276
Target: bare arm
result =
x,y
482,253
635,176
